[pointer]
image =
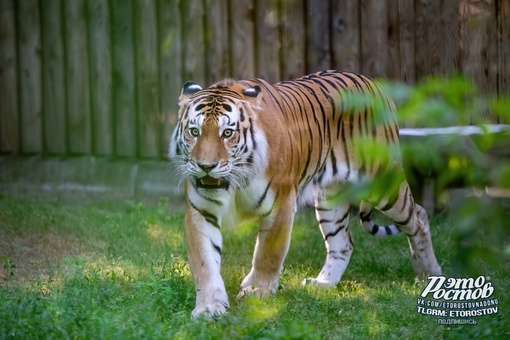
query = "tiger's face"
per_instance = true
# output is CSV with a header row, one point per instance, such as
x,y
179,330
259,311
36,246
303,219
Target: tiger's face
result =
x,y
214,144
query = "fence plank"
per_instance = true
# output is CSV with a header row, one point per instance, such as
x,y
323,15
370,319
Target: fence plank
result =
x,y
346,35
123,65
293,55
476,40
194,66
147,78
217,41
427,36
374,39
53,71
448,38
437,38
479,49
9,119
29,66
267,40
77,77
406,41
318,37
293,52
393,40
242,43
100,76
504,49
169,68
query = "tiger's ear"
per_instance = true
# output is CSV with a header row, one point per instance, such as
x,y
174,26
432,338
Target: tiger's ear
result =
x,y
253,91
189,88
254,94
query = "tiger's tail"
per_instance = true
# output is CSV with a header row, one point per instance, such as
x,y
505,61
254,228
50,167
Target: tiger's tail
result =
x,y
365,211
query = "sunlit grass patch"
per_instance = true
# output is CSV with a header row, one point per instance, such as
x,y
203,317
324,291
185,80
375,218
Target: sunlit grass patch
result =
x,y
257,309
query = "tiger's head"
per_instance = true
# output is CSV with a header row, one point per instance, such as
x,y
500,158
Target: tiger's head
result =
x,y
216,143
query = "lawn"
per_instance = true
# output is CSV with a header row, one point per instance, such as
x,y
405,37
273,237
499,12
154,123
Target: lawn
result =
x,y
118,270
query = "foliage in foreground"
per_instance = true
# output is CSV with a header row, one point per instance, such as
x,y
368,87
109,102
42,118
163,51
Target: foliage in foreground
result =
x,y
125,276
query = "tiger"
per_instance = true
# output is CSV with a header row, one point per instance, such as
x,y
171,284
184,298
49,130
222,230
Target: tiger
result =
x,y
267,150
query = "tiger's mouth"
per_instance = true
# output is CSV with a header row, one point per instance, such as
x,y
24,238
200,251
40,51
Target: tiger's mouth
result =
x,y
208,182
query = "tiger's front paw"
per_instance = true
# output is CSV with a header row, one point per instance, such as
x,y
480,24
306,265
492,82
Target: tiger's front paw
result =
x,y
259,285
255,291
209,312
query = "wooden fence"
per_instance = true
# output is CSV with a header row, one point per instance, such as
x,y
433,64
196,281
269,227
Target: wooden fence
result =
x,y
102,77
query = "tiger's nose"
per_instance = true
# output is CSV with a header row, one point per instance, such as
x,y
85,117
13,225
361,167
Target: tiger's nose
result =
x,y
207,167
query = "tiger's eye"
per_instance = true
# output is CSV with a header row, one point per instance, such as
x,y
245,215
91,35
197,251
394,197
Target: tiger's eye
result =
x,y
194,132
227,133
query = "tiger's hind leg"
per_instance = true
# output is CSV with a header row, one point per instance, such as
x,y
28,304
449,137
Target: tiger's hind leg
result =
x,y
334,225
412,219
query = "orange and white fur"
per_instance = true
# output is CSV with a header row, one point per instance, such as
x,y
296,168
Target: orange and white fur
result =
x,y
267,148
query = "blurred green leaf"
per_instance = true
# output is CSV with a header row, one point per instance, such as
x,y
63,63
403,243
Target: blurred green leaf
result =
x,y
471,162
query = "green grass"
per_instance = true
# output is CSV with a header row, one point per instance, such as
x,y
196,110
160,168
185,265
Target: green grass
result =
x,y
117,270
